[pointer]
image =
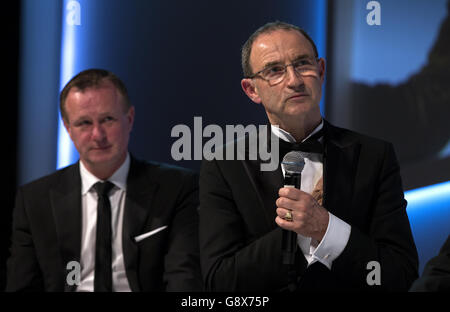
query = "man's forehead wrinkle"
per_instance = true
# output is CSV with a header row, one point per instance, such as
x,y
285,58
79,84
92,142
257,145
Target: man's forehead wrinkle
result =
x,y
278,56
264,52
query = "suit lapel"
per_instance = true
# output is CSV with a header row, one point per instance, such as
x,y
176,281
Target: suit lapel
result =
x,y
341,155
265,183
340,162
140,191
65,199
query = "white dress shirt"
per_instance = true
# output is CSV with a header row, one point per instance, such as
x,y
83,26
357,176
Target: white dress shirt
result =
x,y
89,225
338,231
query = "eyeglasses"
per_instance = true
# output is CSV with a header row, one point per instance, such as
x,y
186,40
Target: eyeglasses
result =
x,y
275,74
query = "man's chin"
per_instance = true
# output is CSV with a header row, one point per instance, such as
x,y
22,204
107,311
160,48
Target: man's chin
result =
x,y
100,157
297,110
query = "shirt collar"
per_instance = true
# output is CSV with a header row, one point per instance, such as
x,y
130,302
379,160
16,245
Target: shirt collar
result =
x,y
119,177
286,136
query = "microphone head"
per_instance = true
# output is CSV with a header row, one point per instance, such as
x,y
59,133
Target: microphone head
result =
x,y
293,162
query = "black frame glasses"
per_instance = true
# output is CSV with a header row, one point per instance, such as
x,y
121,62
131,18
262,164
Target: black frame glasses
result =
x,y
276,73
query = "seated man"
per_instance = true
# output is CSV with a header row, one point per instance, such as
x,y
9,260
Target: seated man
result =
x,y
109,222
436,275
349,214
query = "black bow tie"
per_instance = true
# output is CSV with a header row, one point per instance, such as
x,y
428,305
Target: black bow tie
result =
x,y
311,145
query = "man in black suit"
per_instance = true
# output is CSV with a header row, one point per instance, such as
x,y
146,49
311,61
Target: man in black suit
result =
x,y
109,222
349,216
436,275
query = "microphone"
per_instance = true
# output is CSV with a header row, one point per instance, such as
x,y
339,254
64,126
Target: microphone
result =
x,y
292,164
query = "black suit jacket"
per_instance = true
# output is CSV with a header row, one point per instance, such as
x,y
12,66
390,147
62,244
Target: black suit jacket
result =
x,y
47,230
436,275
240,243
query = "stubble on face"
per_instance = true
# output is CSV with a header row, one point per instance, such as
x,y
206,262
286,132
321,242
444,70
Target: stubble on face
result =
x,y
296,98
99,127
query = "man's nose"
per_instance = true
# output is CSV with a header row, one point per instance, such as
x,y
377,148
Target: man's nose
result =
x,y
98,133
294,79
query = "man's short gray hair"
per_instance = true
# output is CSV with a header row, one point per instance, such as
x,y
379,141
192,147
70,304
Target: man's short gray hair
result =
x,y
269,27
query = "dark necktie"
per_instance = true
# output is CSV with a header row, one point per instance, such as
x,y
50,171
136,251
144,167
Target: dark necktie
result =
x,y
103,249
310,145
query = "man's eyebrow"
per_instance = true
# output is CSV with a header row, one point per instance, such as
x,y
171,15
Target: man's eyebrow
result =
x,y
297,58
270,64
81,118
303,56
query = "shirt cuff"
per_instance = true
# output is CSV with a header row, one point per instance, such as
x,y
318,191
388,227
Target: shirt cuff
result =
x,y
332,244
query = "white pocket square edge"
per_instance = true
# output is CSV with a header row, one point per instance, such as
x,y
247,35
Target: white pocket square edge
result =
x,y
148,234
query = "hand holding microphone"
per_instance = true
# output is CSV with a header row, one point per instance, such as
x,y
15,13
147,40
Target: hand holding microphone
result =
x,y
298,211
308,217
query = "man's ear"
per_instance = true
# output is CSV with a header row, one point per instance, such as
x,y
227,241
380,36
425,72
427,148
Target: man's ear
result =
x,y
249,88
67,126
322,69
130,117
